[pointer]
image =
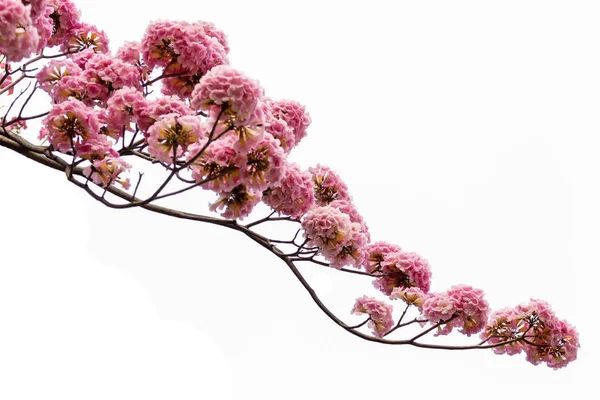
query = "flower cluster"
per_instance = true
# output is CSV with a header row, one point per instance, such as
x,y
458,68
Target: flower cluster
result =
x,y
293,195
380,314
18,36
461,307
534,329
170,136
328,185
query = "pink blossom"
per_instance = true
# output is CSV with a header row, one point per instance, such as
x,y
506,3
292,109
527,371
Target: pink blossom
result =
x,y
439,307
44,25
120,108
295,116
351,250
111,72
474,309
83,36
293,195
347,207
68,124
466,304
327,228
534,329
223,86
146,112
38,7
403,269
54,71
219,163
171,135
64,16
380,314
76,87
194,46
328,185
263,165
237,203
376,253
107,171
18,36
96,148
412,296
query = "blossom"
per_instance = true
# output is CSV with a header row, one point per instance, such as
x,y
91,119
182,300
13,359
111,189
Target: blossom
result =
x,y
327,228
107,171
96,148
120,108
404,269
54,71
18,36
376,253
380,314
196,47
411,296
83,36
111,72
295,116
170,136
293,195
224,86
65,17
463,304
68,124
328,185
347,207
218,164
146,112
263,165
237,203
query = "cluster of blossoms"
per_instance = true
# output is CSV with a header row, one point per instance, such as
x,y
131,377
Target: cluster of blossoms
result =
x,y
216,123
27,27
380,314
544,337
187,51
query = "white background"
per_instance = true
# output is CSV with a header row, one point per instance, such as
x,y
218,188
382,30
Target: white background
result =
x,y
466,131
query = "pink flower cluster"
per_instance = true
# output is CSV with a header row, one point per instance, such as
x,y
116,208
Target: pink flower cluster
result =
x,y
225,87
293,195
534,329
170,136
339,240
286,120
18,36
404,270
462,306
328,185
380,314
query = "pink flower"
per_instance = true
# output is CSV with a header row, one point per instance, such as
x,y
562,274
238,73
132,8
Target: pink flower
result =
x,y
111,72
69,124
263,165
467,304
96,148
54,71
64,16
44,25
380,314
376,253
107,171
327,228
534,329
194,46
439,307
347,207
412,296
237,203
223,86
293,195
146,112
83,36
120,108
18,36
295,116
328,185
219,163
171,135
404,270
